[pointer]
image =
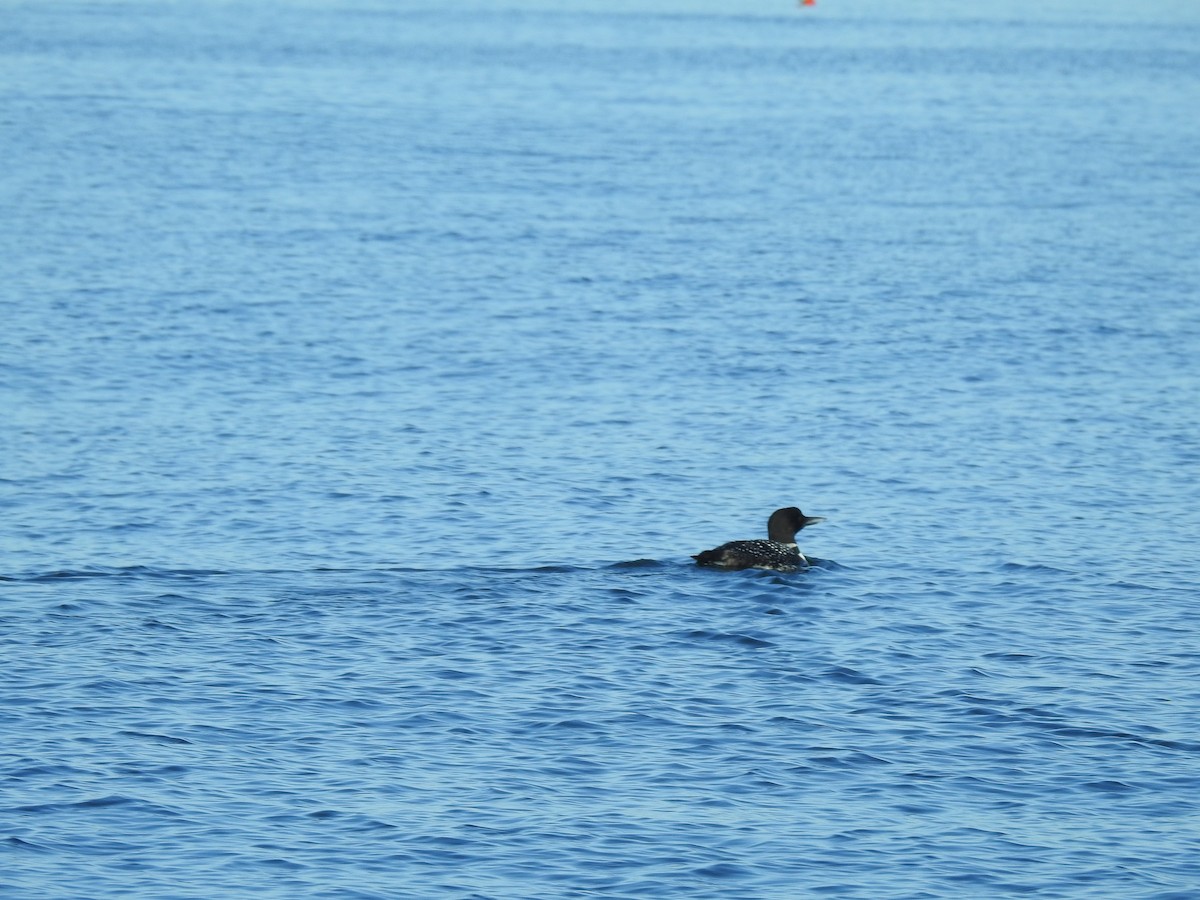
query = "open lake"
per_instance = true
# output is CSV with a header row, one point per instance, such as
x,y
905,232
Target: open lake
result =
x,y
370,371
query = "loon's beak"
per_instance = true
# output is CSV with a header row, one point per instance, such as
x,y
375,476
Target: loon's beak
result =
x,y
812,520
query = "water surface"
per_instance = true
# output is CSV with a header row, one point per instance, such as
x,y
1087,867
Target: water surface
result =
x,y
370,374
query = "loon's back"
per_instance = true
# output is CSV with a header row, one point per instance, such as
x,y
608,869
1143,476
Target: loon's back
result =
x,y
753,555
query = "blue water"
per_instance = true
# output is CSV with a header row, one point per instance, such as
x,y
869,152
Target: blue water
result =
x,y
369,373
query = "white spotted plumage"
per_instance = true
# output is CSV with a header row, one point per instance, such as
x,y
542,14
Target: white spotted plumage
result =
x,y
755,555
779,552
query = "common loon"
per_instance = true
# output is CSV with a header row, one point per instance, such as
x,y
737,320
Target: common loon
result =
x,y
778,552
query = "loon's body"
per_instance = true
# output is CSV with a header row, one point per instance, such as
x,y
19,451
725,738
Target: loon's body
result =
x,y
779,552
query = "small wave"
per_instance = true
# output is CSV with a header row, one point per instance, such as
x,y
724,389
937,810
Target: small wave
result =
x,y
744,640
846,675
17,843
183,573
1109,786
156,738
841,758
1032,567
723,870
116,572
1074,731
637,564
107,801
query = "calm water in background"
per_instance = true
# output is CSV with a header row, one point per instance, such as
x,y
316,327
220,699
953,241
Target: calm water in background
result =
x,y
369,375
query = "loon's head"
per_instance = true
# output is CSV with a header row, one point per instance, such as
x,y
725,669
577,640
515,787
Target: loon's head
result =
x,y
784,523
